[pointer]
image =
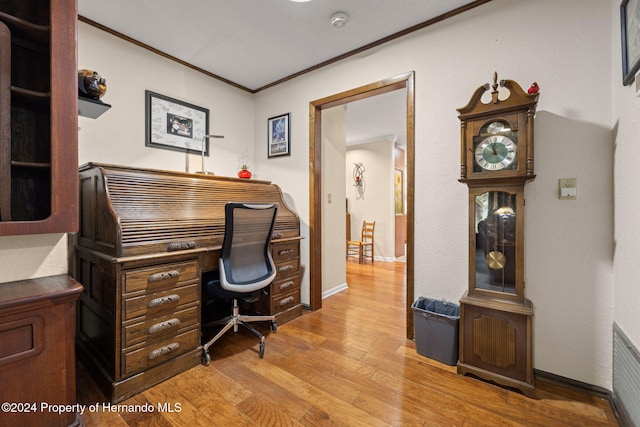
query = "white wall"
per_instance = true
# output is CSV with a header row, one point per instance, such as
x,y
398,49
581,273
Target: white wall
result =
x,y
625,121
118,136
376,203
569,243
334,268
32,256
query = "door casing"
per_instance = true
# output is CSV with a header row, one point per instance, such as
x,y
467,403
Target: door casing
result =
x,y
402,81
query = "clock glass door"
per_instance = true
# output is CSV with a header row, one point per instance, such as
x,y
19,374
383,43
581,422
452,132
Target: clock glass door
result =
x,y
496,238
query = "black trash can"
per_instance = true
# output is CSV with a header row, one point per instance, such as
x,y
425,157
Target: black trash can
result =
x,y
436,329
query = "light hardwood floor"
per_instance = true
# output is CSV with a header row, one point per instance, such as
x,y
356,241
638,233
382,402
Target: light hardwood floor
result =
x,y
347,364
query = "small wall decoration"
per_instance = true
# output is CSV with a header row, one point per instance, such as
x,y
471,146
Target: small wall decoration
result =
x,y
358,175
176,125
358,180
279,136
630,32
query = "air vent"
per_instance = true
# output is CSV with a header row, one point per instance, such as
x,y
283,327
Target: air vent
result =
x,y
626,376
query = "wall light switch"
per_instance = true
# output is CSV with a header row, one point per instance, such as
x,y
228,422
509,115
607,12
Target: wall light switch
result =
x,y
568,188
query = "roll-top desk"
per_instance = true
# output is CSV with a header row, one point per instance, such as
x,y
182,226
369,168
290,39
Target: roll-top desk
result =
x,y
145,238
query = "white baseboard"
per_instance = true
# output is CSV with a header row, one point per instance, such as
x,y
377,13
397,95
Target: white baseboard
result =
x,y
335,290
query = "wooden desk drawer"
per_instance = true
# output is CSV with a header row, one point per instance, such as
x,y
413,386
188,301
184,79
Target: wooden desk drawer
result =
x,y
163,327
287,267
151,355
285,285
160,276
159,303
274,304
285,301
280,251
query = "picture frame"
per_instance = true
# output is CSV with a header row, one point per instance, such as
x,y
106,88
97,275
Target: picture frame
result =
x,y
279,143
176,125
630,35
398,191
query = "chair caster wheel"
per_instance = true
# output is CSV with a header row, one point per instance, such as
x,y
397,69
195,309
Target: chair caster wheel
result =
x,y
206,358
261,353
273,326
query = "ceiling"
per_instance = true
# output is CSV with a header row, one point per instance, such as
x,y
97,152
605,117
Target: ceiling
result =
x,y
254,44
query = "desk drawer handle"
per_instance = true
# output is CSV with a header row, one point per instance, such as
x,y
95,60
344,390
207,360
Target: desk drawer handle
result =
x,y
163,326
286,285
286,301
164,350
181,246
165,275
285,252
285,268
156,302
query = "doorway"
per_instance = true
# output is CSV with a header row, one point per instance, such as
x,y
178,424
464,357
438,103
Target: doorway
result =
x,y
403,81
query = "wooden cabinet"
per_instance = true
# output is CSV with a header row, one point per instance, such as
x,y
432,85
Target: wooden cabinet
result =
x,y
37,357
38,116
138,319
496,338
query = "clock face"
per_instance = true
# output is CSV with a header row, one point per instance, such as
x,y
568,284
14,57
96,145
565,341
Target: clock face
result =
x,y
496,152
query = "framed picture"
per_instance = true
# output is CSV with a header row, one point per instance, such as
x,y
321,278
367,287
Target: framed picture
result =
x,y
279,143
176,125
630,31
398,191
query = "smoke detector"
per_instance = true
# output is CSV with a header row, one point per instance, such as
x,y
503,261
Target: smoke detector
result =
x,y
339,20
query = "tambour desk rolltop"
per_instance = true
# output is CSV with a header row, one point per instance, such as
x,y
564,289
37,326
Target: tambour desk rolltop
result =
x,y
145,238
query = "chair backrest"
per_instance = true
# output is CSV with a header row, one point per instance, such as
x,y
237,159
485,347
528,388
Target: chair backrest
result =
x,y
246,264
367,231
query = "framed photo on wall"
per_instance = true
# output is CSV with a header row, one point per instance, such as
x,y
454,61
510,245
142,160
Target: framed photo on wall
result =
x,y
279,143
175,125
630,32
398,191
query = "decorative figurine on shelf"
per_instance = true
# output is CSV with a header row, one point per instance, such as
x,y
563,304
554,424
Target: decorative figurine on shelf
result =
x,y
91,84
244,172
534,88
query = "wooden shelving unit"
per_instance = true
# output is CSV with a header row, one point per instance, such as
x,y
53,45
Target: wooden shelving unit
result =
x,y
38,117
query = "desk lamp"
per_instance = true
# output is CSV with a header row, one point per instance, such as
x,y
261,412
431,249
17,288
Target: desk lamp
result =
x,y
202,151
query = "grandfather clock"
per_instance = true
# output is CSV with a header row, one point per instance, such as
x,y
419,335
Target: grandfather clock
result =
x,y
496,320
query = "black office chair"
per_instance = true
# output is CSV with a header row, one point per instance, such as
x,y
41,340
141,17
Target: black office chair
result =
x,y
246,266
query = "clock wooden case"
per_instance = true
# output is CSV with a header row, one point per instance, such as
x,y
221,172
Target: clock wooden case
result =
x,y
497,137
496,160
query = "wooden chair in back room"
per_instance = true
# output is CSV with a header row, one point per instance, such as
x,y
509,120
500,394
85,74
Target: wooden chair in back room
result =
x,y
362,249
